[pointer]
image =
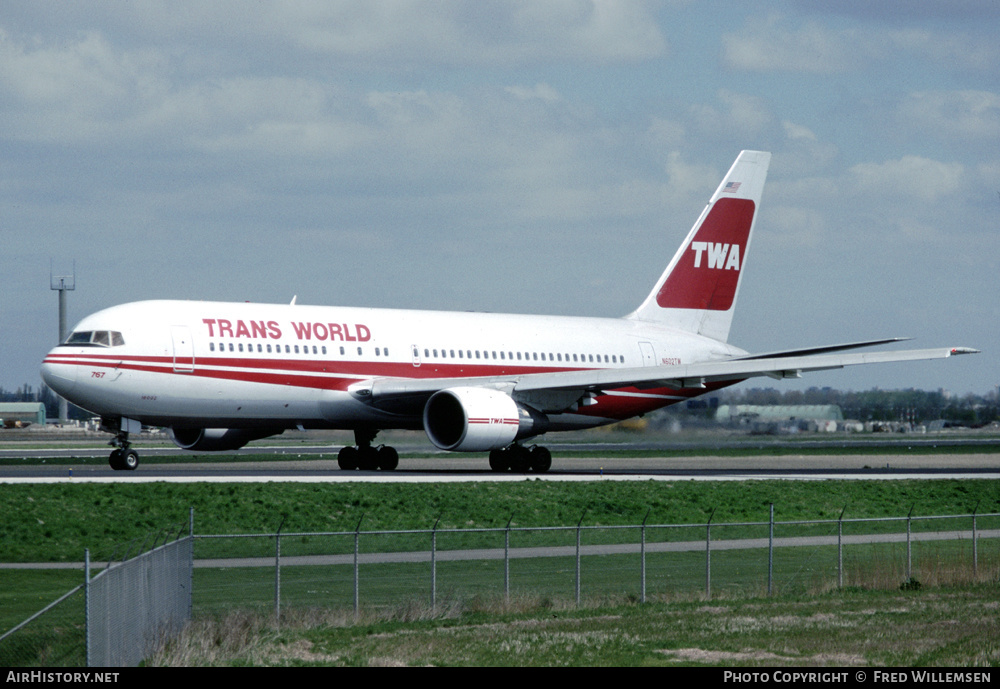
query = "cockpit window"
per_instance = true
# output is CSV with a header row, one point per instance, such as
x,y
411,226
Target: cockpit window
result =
x,y
95,338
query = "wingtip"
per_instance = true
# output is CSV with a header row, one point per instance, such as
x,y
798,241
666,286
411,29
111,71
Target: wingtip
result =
x,y
963,350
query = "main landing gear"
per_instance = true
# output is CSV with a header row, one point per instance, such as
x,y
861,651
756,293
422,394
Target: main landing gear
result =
x,y
365,457
520,459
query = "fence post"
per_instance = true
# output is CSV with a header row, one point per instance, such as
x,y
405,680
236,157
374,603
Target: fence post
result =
x,y
770,553
191,577
506,561
642,559
909,552
975,545
708,555
86,604
840,548
357,534
434,566
579,525
277,575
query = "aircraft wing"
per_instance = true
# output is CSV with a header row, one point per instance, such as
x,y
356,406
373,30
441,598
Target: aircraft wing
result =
x,y
560,390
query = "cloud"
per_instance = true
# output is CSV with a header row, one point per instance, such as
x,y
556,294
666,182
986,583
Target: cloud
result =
x,y
770,45
971,116
375,34
542,92
780,43
911,176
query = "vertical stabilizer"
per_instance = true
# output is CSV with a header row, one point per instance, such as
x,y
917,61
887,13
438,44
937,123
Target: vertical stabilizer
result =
x,y
697,292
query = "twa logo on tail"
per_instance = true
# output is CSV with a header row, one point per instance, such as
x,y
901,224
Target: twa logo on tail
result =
x,y
717,255
708,272
697,291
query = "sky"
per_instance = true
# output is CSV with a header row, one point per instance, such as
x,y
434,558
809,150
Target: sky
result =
x,y
526,157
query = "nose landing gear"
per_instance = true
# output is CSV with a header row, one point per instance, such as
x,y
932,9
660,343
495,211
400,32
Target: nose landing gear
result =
x,y
123,457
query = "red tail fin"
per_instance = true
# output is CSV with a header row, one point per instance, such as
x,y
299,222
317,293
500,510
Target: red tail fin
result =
x,y
698,290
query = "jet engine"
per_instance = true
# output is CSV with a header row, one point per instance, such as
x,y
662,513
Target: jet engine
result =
x,y
218,439
478,419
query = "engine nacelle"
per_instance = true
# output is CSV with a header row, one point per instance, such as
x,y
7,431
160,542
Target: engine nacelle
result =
x,y
218,439
478,419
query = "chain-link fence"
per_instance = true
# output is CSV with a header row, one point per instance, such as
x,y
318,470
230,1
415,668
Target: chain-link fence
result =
x,y
121,613
434,570
135,607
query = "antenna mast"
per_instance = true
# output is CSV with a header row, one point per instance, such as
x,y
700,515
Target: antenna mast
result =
x,y
62,283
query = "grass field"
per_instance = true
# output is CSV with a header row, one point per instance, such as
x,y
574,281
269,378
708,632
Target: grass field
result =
x,y
949,627
56,522
951,620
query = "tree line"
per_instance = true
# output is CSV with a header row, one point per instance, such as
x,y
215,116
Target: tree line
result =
x,y
914,406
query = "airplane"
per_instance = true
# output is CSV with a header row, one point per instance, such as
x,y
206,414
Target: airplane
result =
x,y
220,375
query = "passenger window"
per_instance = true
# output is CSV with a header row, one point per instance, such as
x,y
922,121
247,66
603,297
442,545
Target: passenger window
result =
x,y
359,351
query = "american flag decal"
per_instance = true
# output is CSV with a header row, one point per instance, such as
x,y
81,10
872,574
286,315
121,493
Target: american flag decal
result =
x,y
731,187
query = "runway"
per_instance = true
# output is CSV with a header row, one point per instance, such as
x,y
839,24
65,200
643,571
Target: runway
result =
x,y
317,464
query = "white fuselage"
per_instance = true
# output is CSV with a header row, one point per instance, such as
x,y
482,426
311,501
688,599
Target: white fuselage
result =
x,y
243,365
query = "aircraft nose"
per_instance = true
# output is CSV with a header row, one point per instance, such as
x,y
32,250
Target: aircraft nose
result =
x,y
59,376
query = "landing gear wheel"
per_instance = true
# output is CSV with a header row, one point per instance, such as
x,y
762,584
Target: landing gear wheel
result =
x,y
387,458
347,458
367,458
518,458
540,459
498,460
130,460
115,460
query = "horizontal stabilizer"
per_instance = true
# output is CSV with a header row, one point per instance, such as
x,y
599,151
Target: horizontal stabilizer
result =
x,y
824,349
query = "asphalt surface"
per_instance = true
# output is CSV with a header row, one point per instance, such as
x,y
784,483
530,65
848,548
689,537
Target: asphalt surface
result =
x,y
894,459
